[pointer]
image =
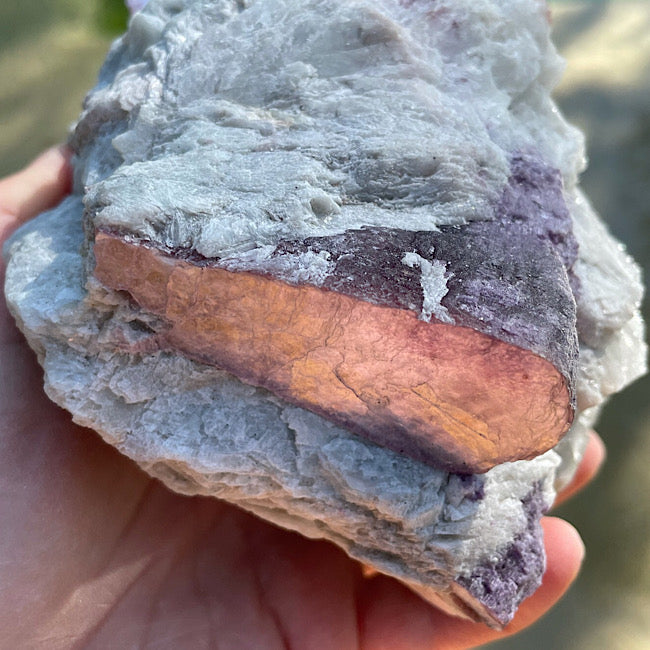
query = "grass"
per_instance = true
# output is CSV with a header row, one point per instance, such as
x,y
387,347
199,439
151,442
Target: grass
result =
x,y
49,56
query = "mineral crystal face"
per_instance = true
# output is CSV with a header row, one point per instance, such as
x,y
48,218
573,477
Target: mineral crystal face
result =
x,y
437,392
329,265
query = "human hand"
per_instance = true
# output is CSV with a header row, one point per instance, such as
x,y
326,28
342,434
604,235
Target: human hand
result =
x,y
96,554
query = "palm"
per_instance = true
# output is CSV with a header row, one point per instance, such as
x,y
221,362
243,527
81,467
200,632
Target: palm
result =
x,y
94,553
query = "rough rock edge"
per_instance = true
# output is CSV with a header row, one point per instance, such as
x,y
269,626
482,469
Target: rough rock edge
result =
x,y
428,532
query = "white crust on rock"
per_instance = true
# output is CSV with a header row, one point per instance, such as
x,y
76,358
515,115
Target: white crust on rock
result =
x,y
353,114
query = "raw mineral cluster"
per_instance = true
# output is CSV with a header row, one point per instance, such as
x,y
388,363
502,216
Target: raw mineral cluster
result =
x,y
328,260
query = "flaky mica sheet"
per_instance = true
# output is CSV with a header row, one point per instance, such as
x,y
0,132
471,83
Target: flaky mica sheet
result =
x,y
402,157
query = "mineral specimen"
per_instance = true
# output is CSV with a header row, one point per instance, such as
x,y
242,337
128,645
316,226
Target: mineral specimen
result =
x,y
328,260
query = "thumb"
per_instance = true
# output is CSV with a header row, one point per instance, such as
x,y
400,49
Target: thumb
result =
x,y
37,187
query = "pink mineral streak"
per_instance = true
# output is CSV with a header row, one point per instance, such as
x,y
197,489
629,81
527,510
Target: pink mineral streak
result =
x,y
447,395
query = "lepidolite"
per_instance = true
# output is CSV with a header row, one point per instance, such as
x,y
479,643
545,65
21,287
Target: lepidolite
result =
x,y
328,260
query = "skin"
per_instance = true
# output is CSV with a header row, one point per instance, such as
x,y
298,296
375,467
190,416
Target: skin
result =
x,y
96,554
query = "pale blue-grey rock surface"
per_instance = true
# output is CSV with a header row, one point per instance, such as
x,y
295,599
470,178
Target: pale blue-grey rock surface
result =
x,y
229,130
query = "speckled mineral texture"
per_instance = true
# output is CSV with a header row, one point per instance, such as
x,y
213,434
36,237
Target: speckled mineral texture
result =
x,y
401,162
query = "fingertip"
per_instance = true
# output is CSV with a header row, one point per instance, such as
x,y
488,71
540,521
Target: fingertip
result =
x,y
564,548
596,451
37,187
58,152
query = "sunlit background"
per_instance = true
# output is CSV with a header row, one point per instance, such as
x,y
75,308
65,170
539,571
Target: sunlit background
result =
x,y
50,51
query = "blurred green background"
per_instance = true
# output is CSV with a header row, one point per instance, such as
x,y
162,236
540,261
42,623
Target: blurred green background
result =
x,y
50,51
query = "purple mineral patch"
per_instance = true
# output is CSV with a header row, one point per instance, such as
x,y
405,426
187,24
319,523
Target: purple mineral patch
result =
x,y
508,277
533,200
502,584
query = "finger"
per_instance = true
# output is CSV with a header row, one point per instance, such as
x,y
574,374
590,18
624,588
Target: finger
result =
x,y
37,187
41,185
391,616
594,456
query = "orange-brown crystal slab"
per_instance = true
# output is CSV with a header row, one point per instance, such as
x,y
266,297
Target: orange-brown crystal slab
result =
x,y
447,395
